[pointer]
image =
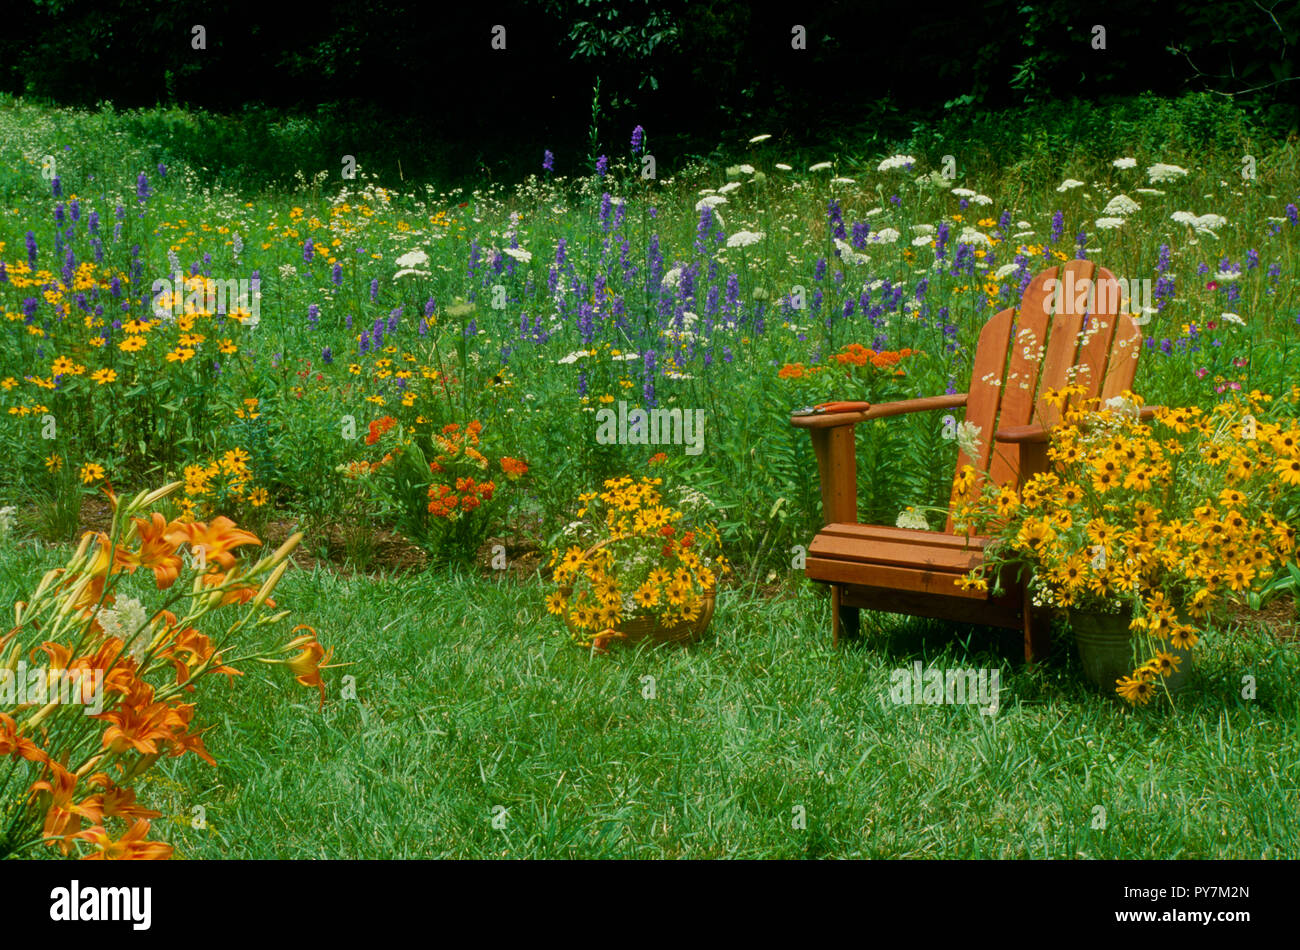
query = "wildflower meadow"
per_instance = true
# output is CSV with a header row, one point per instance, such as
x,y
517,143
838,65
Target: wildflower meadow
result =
x,y
406,460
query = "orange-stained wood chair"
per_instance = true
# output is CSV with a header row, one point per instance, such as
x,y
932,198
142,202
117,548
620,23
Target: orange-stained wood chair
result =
x,y
1053,340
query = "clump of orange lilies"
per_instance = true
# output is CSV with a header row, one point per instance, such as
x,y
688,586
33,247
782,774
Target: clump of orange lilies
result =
x,y
68,767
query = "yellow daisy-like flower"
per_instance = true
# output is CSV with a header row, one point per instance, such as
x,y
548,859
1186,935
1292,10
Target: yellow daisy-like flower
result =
x,y
555,603
104,376
133,344
91,472
1136,689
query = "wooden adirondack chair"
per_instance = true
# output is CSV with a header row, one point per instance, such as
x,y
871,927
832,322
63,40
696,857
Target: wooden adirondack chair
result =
x,y
1018,358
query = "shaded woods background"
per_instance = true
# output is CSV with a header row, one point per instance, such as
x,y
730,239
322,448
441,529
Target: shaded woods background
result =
x,y
411,77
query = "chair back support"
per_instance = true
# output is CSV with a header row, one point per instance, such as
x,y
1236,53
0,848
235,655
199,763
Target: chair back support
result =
x,y
1068,331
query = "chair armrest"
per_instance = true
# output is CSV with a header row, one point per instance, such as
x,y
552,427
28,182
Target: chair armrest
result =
x,y
827,420
1035,434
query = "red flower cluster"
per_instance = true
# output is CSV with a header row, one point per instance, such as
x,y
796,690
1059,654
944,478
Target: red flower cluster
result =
x,y
468,495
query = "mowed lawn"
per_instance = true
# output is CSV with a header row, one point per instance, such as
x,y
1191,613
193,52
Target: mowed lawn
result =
x,y
478,731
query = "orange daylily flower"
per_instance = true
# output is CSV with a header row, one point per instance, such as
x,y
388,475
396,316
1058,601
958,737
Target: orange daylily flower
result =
x,y
157,550
216,539
114,802
306,665
13,744
60,812
131,846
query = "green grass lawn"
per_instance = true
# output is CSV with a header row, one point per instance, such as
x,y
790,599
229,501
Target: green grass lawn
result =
x,y
468,699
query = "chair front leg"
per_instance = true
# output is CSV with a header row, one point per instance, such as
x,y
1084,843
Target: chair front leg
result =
x,y
837,466
845,620
1037,627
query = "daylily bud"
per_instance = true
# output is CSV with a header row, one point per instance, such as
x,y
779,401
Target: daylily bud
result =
x,y
158,493
270,582
42,714
283,550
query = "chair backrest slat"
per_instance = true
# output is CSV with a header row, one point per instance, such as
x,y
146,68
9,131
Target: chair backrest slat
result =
x,y
1059,365
987,384
1028,347
1098,334
1123,365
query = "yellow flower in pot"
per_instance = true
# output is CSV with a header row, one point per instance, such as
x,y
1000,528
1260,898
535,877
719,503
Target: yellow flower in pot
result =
x,y
635,567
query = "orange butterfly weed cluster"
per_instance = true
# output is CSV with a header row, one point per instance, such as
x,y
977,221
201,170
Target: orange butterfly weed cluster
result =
x,y
851,356
70,758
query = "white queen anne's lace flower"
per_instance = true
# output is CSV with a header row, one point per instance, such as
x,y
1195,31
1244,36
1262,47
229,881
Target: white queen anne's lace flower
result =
x,y
1069,184
127,620
968,439
745,238
847,253
913,519
416,258
1161,172
1121,205
1125,162
895,161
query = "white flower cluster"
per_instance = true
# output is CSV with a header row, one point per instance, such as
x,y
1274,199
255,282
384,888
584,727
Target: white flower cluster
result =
x,y
968,438
745,238
895,161
1121,205
1161,172
848,254
1204,223
411,263
128,621
913,519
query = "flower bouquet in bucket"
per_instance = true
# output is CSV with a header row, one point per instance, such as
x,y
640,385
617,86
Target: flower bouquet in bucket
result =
x,y
1145,522
636,567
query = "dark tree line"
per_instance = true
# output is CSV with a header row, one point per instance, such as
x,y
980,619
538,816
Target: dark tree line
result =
x,y
702,68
